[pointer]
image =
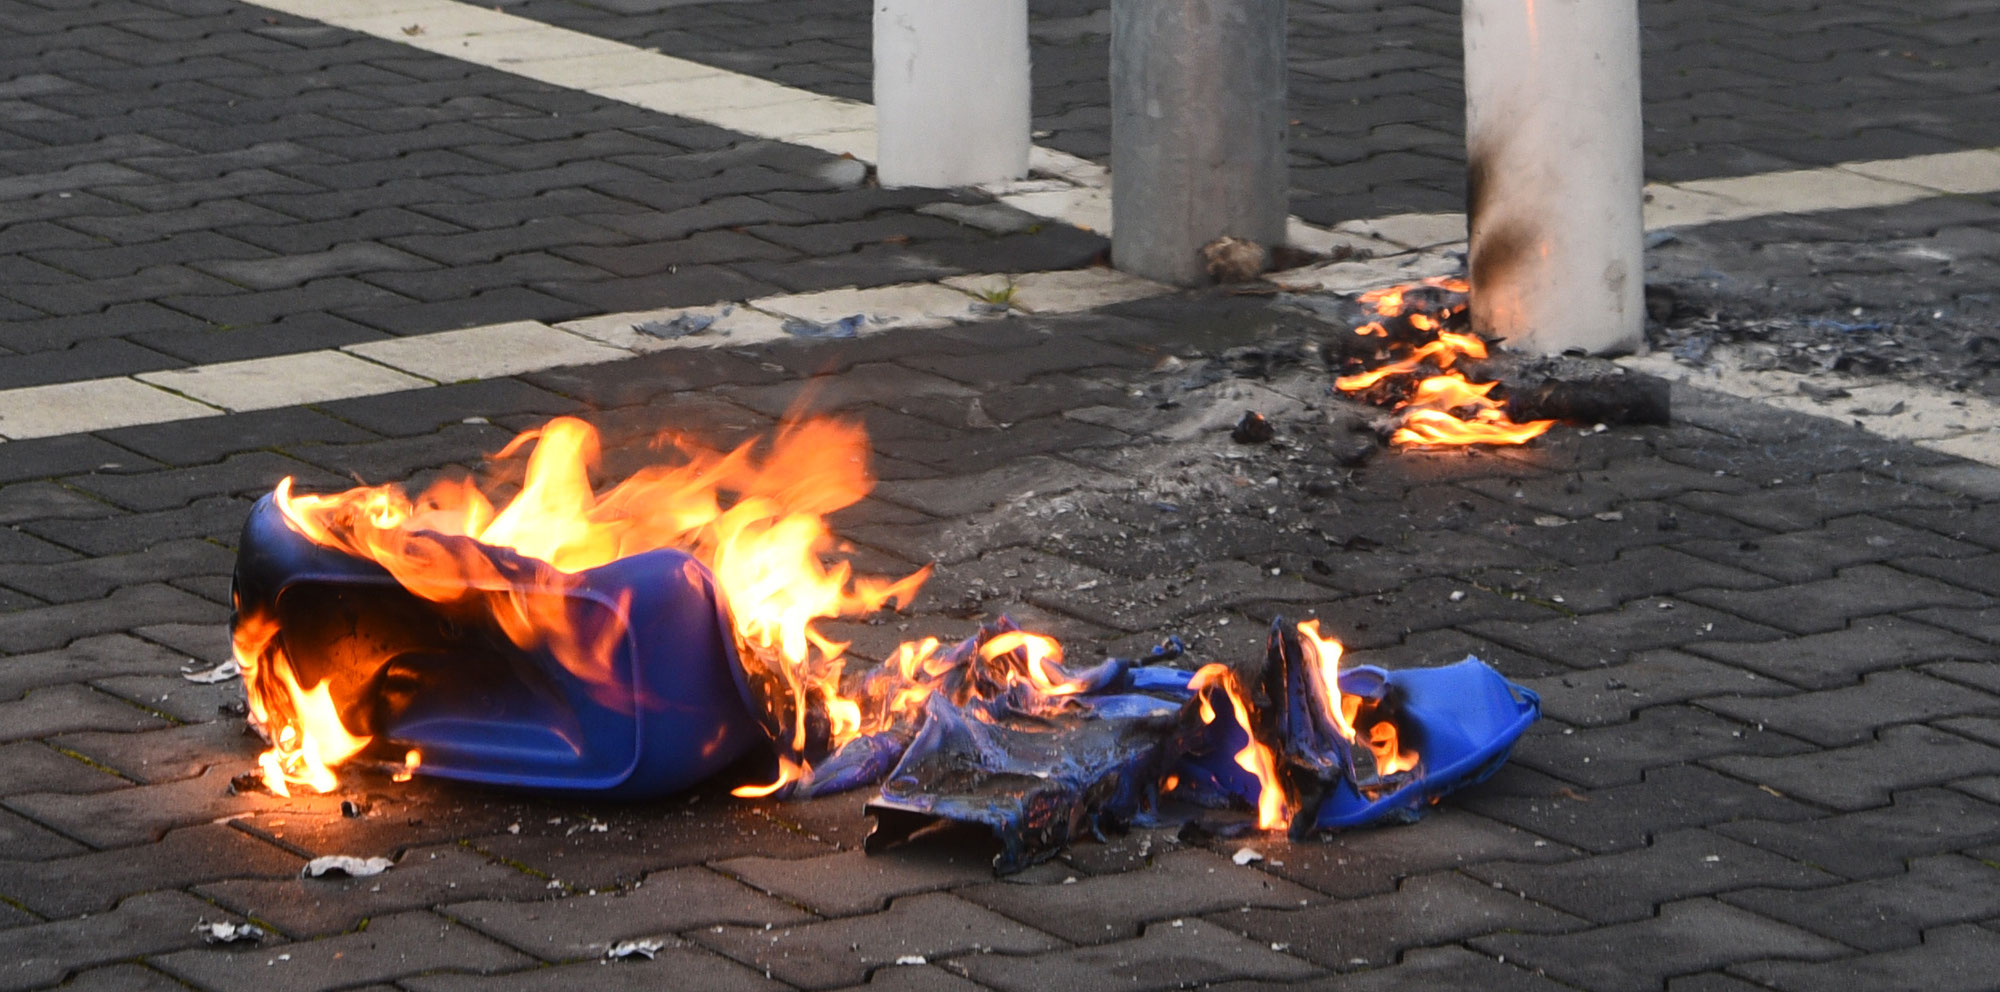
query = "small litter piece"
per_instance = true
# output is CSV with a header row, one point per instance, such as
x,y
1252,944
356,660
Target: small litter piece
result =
x,y
225,932
1252,429
626,950
345,865
1245,855
912,959
220,673
845,327
681,326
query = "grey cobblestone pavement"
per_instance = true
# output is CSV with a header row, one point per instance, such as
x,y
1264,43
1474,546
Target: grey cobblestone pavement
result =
x,y
1768,645
1767,651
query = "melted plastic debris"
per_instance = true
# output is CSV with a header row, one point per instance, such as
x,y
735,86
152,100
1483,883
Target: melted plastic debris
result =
x,y
627,950
210,676
345,866
226,932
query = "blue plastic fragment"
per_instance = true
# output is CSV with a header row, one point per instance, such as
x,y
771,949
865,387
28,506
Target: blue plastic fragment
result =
x,y
482,710
1463,719
845,327
681,326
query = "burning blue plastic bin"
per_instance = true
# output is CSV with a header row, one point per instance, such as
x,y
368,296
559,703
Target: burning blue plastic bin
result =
x,y
480,709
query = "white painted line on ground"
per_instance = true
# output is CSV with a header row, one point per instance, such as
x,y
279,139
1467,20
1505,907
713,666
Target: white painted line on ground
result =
x,y
93,405
282,380
519,347
487,352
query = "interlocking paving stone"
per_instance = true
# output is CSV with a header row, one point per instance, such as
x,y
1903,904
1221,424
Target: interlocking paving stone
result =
x,y
418,412
1370,862
1829,605
1983,728
1983,674
673,966
1982,622
1635,574
1844,716
246,473
1863,775
1659,736
1428,909
663,903
1951,959
90,883
1621,818
1840,658
96,578
1116,907
1609,638
1886,913
392,947
1694,935
45,627
1170,955
122,978
303,907
40,954
851,882
1875,842
841,952
144,812
28,766
68,708
633,847
92,657
1980,573
1618,888
215,516
1805,556
1612,695
1419,969
915,978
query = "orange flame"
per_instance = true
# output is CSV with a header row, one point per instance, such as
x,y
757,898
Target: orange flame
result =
x,y
766,550
1383,739
1274,810
1428,413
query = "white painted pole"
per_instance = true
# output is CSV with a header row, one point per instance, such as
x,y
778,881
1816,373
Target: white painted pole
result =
x,y
1554,178
951,92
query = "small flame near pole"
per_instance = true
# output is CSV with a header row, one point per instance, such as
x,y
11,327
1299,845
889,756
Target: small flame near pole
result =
x,y
1422,334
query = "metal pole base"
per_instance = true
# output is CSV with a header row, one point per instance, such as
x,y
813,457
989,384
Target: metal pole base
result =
x,y
1197,132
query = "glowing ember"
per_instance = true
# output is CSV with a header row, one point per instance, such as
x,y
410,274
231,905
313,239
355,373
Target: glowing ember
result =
x,y
1417,350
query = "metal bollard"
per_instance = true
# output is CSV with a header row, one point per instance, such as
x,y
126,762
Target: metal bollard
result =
x,y
1197,131
1554,180
951,92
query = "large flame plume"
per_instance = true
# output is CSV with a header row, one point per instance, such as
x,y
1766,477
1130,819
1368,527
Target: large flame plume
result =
x,y
756,519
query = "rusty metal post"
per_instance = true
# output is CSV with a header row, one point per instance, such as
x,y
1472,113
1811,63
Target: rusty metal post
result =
x,y
1555,171
1197,131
